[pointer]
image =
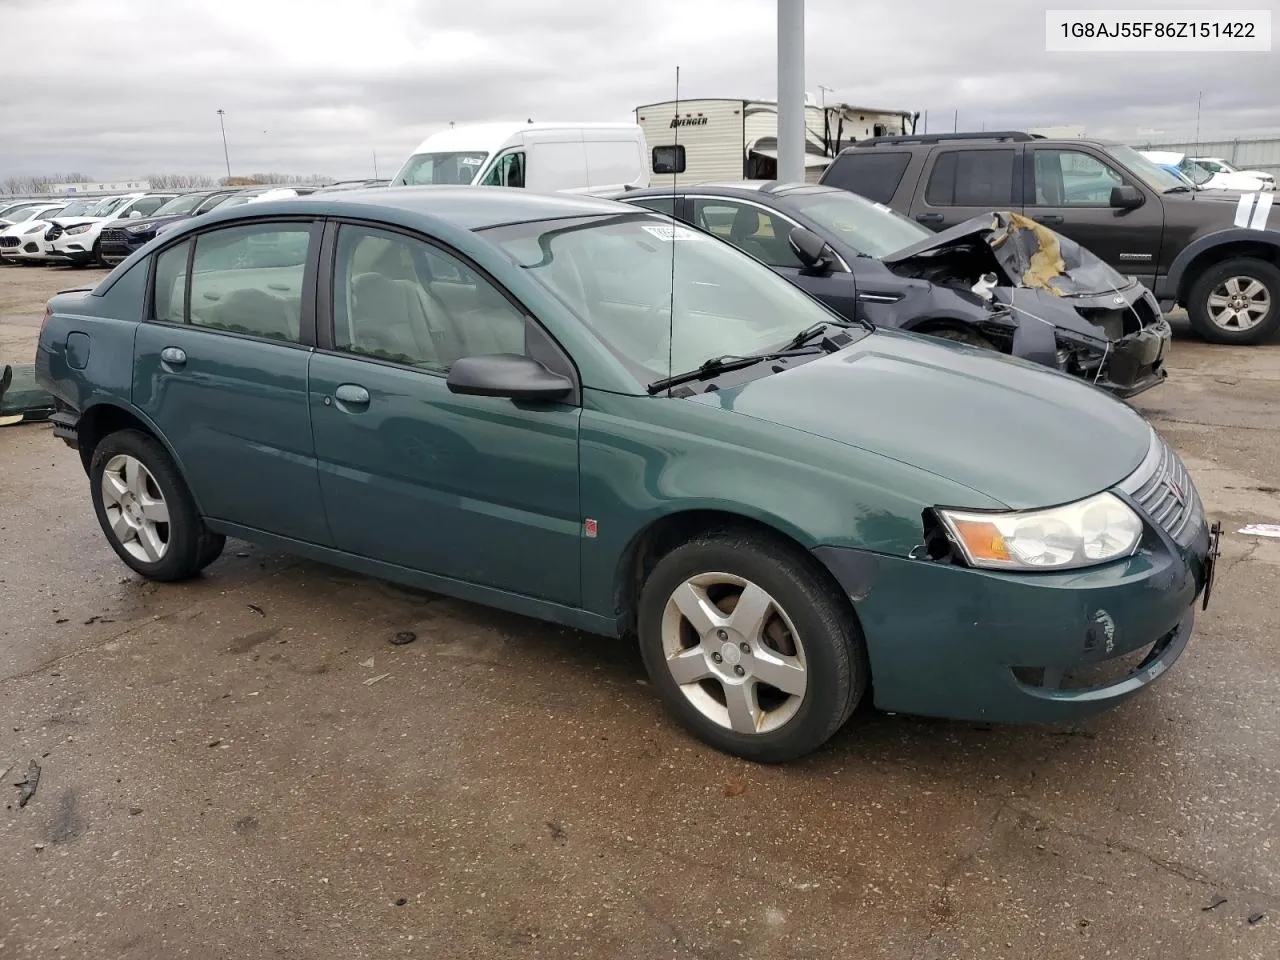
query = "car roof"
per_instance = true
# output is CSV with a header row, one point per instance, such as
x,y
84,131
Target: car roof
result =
x,y
738,188
490,136
473,208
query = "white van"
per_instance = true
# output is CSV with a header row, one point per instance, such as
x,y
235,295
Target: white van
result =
x,y
546,157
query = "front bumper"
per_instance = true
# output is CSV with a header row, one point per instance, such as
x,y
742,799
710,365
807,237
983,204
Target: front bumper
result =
x,y
70,247
1042,647
116,244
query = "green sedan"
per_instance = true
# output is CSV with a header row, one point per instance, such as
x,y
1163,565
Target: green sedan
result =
x,y
582,412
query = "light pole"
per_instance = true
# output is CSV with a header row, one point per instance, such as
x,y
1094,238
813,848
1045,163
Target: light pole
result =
x,y
225,156
791,90
825,90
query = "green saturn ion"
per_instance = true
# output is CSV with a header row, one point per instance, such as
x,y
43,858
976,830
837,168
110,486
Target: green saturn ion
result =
x,y
585,413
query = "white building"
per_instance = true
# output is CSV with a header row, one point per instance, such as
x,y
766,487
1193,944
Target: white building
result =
x,y
121,186
726,140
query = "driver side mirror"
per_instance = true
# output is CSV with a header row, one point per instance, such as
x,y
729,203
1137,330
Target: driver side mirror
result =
x,y
512,376
814,252
1126,197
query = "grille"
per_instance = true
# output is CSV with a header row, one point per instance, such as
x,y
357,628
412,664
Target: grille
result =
x,y
53,233
8,243
1163,489
113,234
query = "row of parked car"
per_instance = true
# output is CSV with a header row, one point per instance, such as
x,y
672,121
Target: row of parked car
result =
x,y
106,230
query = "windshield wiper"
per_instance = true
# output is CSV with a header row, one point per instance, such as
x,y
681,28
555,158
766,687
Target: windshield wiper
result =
x,y
1180,188
795,347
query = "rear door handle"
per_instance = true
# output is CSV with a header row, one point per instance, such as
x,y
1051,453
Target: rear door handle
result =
x,y
173,356
1049,218
352,396
929,217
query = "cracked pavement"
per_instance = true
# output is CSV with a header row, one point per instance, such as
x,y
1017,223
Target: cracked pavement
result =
x,y
221,779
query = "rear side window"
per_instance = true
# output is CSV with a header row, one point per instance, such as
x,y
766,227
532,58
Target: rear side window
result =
x,y
971,178
869,173
171,284
663,205
248,279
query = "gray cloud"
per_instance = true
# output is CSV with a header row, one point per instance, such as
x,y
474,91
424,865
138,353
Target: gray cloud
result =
x,y
126,87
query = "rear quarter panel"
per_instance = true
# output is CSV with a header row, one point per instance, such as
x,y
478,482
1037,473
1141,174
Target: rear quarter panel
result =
x,y
100,326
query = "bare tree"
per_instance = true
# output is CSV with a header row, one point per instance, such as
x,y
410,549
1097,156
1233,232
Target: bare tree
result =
x,y
180,181
41,183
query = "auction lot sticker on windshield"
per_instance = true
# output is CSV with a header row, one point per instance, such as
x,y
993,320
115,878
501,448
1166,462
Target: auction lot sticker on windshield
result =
x,y
668,232
1157,31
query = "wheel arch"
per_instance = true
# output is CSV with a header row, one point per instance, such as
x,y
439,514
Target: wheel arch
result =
x,y
106,417
663,534
1200,257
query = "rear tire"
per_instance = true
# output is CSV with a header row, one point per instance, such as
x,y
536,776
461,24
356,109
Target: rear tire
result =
x,y
146,510
1236,302
770,664
95,256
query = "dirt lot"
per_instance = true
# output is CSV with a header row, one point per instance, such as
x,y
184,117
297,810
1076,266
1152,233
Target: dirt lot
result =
x,y
220,778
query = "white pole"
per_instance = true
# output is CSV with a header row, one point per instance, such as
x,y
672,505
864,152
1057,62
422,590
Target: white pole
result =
x,y
791,90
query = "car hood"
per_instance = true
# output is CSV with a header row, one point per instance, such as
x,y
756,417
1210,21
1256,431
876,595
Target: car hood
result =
x,y
1023,253
1008,429
76,221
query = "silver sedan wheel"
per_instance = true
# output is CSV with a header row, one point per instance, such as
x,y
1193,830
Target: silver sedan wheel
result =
x,y
136,511
1239,303
734,652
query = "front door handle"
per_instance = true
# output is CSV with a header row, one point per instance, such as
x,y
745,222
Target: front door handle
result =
x,y
1049,218
352,395
929,217
173,356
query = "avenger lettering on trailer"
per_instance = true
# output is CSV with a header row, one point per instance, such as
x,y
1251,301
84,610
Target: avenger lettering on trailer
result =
x,y
688,122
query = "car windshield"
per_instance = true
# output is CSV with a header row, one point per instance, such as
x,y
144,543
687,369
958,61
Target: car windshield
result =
x,y
105,206
1148,171
616,274
22,216
183,204
868,227
216,200
77,208
425,169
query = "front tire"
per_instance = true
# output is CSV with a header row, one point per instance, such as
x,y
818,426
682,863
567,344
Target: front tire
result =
x,y
749,648
1236,302
145,509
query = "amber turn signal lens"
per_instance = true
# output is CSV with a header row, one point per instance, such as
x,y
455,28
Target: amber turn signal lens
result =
x,y
983,541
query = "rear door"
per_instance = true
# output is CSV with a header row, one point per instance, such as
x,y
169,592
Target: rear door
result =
x,y
964,181
1069,190
221,368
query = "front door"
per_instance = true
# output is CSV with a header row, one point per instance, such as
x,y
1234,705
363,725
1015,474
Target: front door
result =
x,y
1070,192
477,489
221,367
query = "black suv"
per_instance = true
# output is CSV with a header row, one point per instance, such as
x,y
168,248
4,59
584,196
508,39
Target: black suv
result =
x,y
1209,251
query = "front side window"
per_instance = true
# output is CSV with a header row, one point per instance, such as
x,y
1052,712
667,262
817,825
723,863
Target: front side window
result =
x,y
616,275
761,233
455,167
248,280
217,200
972,178
1073,178
507,172
403,300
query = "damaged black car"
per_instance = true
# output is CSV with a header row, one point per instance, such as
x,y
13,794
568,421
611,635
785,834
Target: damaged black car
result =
x,y
999,281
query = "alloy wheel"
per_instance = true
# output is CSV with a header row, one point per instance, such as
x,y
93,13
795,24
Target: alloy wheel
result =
x,y
734,652
136,510
1239,303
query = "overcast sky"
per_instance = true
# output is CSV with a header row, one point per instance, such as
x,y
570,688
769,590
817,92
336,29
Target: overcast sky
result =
x,y
119,88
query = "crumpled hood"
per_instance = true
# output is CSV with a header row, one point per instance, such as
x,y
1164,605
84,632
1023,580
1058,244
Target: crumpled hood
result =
x,y
1028,254
1008,429
76,221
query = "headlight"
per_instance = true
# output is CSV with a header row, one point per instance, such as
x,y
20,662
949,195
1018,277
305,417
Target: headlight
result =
x,y
81,228
142,227
1082,534
35,229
